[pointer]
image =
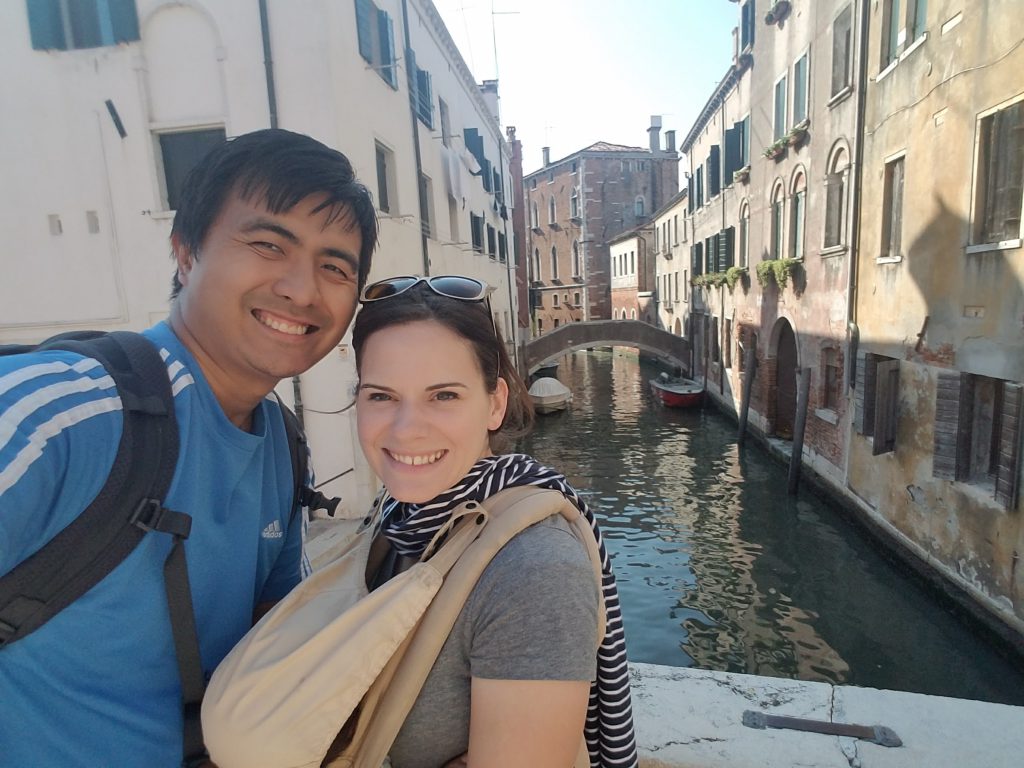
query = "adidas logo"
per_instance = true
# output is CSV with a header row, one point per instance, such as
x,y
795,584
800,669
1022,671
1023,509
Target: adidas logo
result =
x,y
273,531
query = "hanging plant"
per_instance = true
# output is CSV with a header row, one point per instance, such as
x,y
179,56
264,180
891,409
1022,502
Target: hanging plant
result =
x,y
776,150
764,273
733,276
742,175
798,133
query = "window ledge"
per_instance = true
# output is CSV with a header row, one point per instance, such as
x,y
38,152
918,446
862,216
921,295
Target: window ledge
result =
x,y
888,259
827,414
161,215
885,72
840,97
914,45
832,251
1003,245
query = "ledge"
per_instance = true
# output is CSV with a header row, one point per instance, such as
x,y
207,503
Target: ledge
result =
x,y
840,97
1003,245
832,251
888,259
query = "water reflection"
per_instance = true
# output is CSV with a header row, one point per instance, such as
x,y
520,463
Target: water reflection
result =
x,y
718,568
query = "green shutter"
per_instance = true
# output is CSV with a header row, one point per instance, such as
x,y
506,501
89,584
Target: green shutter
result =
x,y
364,28
389,69
124,19
45,25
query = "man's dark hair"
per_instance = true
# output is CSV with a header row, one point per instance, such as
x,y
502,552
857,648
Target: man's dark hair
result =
x,y
280,168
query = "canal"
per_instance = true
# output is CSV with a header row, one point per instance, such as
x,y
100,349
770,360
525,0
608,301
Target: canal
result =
x,y
719,569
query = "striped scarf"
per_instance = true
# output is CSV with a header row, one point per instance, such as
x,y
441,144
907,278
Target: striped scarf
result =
x,y
409,528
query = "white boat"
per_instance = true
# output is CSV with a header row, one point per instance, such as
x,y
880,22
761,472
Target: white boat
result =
x,y
549,395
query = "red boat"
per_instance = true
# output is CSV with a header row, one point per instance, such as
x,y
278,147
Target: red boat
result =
x,y
677,393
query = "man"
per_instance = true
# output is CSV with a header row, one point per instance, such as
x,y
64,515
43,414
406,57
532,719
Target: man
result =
x,y
272,242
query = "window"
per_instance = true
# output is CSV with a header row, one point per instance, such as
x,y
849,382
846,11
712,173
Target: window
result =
x,y
576,260
748,22
554,263
632,262
502,248
385,178
686,281
892,211
555,300
492,241
747,340
842,50
180,152
977,433
780,127
727,344
675,229
556,319
376,33
675,276
426,206
800,90
798,217
699,182
831,378
453,219
423,98
697,258
638,207
536,264
540,325
715,350
551,209
744,254
476,224
877,398
737,148
446,126
576,298
778,222
714,171
891,20
574,204
69,24
1000,176
534,216
835,199
917,19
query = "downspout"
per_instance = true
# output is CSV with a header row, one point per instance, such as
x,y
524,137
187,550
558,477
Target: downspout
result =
x,y
268,64
415,136
855,195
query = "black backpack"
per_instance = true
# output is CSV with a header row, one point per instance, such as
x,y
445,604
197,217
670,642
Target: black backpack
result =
x,y
127,508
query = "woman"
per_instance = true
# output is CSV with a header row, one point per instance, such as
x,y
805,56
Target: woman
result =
x,y
512,686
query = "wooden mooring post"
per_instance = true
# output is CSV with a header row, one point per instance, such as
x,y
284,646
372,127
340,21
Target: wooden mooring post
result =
x,y
803,391
749,368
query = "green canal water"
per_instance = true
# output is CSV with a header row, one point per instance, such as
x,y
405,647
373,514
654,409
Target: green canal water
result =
x,y
718,568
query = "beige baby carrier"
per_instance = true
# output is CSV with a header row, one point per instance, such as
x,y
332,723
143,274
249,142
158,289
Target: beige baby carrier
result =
x,y
329,675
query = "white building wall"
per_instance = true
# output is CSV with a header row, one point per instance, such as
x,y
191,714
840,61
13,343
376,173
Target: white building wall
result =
x,y
84,210
672,267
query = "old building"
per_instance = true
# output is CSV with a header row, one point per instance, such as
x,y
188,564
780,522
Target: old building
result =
x,y
118,100
769,212
935,454
575,206
632,273
671,256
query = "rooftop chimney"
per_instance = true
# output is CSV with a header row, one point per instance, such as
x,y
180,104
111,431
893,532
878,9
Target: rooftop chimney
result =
x,y
654,133
670,141
546,154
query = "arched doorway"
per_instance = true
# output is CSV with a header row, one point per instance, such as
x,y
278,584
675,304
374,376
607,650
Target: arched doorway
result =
x,y
785,381
679,328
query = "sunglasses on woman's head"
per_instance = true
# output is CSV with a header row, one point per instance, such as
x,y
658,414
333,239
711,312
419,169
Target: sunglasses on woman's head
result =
x,y
449,286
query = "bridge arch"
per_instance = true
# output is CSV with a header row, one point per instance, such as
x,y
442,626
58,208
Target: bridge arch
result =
x,y
608,333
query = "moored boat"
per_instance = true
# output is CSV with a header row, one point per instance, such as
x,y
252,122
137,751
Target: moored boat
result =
x,y
677,392
549,395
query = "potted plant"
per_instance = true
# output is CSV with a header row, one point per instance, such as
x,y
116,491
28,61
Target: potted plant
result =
x,y
798,133
776,150
777,12
742,175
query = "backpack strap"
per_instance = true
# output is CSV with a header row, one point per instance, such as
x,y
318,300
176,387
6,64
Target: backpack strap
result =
x,y
128,506
298,447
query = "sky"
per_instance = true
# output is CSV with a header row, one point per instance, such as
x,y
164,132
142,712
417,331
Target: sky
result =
x,y
573,72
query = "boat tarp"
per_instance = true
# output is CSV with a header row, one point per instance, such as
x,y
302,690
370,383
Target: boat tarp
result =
x,y
546,387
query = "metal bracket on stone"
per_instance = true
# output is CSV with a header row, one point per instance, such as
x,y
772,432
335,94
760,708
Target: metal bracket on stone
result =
x,y
876,734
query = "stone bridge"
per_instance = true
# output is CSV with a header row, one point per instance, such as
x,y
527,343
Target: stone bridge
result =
x,y
608,333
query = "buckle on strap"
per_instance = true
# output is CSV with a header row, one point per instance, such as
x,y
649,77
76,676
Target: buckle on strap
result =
x,y
151,515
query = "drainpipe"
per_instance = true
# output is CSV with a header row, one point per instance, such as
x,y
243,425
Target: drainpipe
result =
x,y
851,288
415,135
268,64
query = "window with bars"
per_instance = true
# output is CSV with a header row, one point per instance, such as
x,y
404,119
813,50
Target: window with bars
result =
x,y
1000,176
977,433
892,209
876,412
376,33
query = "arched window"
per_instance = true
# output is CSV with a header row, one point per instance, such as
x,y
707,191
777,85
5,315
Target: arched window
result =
x,y
835,197
798,215
778,220
551,209
632,314
638,206
744,245
574,203
534,217
536,264
554,263
576,259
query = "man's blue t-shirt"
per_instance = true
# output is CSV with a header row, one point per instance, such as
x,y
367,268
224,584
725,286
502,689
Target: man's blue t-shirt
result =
x,y
98,685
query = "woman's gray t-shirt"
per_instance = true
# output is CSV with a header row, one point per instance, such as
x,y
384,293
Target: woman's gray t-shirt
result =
x,y
531,616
